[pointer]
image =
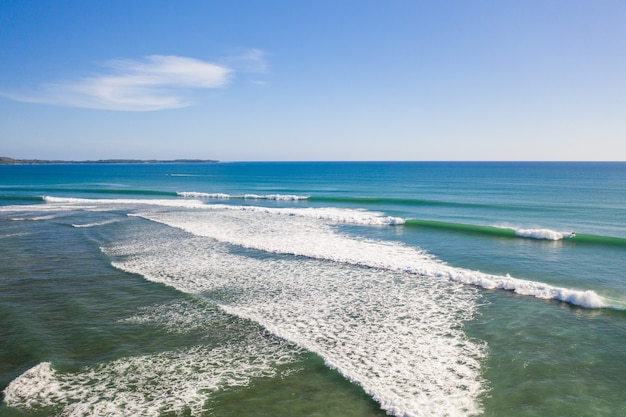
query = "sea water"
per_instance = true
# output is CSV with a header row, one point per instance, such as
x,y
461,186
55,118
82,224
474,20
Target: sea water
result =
x,y
313,289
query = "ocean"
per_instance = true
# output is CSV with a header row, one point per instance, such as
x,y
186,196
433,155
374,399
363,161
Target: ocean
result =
x,y
313,289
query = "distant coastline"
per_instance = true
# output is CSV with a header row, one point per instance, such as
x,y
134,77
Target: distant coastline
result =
x,y
10,161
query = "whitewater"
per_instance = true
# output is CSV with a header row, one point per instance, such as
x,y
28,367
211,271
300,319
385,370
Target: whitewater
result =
x,y
265,229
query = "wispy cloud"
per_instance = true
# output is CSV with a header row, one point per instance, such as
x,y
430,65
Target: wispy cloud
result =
x,y
251,60
155,82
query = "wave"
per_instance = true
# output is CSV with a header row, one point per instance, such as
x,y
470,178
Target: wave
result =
x,y
462,227
501,231
223,196
128,192
546,234
332,214
354,216
399,337
193,194
90,202
386,315
393,201
34,218
341,199
510,232
95,224
12,235
20,198
302,238
600,240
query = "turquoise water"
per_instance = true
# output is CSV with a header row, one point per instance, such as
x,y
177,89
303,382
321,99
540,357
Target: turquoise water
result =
x,y
334,289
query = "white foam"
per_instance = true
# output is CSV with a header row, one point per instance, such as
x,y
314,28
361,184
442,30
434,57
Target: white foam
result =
x,y
194,194
399,336
264,228
173,382
583,298
278,197
542,234
337,215
87,203
177,317
33,386
10,235
35,218
20,208
310,235
48,217
385,327
330,214
95,224
327,214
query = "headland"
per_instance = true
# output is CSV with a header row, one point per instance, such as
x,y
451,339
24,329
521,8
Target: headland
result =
x,y
10,161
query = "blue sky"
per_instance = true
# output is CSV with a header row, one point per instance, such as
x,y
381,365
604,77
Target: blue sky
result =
x,y
313,79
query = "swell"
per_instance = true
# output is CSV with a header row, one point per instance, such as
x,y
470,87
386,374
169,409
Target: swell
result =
x,y
508,232
462,227
396,201
601,240
11,198
346,199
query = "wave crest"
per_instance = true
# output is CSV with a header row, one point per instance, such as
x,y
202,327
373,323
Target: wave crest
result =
x,y
223,196
544,234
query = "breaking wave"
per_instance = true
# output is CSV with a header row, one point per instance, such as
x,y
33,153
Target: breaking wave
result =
x,y
222,196
309,235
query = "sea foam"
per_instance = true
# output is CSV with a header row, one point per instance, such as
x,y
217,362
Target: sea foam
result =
x,y
543,234
309,234
398,336
366,306
179,382
277,197
95,224
86,203
299,231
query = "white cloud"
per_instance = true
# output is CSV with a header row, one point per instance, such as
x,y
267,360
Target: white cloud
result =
x,y
154,83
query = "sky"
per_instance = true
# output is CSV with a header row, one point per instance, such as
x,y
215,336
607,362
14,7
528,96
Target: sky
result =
x,y
313,80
